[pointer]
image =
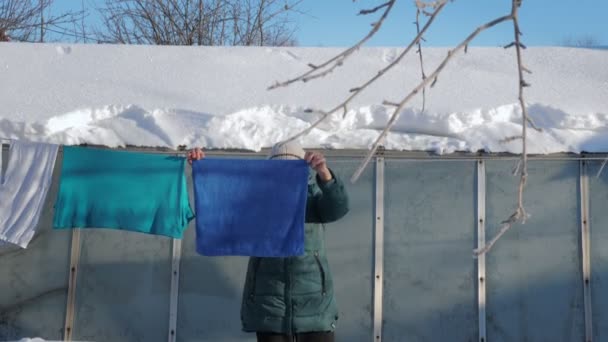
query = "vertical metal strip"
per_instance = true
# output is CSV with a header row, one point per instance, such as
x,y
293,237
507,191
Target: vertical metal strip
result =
x,y
481,242
176,259
68,329
586,248
379,248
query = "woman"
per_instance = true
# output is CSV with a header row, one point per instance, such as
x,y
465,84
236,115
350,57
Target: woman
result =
x,y
292,299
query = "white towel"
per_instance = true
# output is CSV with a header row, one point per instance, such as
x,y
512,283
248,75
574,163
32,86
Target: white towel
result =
x,y
23,192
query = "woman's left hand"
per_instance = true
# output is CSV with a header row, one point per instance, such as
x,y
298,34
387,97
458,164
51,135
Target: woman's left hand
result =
x,y
317,162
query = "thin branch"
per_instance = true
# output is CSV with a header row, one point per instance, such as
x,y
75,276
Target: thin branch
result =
x,y
512,138
599,172
421,59
373,10
515,43
533,124
382,72
339,59
520,212
515,170
392,104
506,225
433,76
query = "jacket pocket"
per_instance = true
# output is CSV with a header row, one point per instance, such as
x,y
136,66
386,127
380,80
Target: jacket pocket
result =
x,y
321,271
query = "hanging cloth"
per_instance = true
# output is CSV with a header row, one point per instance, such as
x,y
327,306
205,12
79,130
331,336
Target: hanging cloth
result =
x,y
250,207
139,192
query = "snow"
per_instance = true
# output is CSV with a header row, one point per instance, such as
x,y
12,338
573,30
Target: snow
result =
x,y
217,97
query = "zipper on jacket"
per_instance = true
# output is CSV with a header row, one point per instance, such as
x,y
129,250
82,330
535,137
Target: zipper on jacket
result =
x,y
256,266
322,272
288,298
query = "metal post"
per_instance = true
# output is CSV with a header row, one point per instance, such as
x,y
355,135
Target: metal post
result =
x,y
379,248
176,259
68,329
586,249
481,241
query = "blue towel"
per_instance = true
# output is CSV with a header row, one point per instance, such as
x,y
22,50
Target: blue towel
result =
x,y
250,207
139,192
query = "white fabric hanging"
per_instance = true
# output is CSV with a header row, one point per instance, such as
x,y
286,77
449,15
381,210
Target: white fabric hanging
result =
x,y
24,190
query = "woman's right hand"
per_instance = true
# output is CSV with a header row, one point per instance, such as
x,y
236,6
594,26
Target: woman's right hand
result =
x,y
195,154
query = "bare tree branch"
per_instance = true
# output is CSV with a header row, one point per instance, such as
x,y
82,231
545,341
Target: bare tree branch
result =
x,y
373,10
418,9
337,61
520,213
25,20
379,74
511,138
599,172
198,22
531,122
397,111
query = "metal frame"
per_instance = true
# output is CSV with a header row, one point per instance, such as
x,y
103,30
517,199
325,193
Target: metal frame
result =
x,y
359,153
481,241
68,329
378,248
175,263
586,249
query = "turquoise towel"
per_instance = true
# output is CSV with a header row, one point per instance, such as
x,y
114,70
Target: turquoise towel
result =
x,y
138,192
250,207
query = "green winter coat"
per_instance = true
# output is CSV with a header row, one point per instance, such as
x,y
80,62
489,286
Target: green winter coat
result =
x,y
295,295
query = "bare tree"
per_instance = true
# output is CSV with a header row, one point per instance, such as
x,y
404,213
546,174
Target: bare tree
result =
x,y
4,37
30,20
583,41
198,22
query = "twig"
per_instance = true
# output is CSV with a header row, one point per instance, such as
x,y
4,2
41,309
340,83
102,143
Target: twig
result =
x,y
599,172
338,59
389,103
421,59
326,114
533,124
516,168
433,76
373,10
506,225
511,138
520,212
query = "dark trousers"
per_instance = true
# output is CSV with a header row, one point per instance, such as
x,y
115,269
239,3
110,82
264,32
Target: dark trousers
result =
x,y
303,337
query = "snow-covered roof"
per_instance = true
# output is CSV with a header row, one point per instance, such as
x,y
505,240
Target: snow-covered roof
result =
x,y
217,97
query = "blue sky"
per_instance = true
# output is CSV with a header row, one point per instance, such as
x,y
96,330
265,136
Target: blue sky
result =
x,y
543,22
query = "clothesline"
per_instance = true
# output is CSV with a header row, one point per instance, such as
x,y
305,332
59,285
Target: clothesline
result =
x,y
176,153
598,156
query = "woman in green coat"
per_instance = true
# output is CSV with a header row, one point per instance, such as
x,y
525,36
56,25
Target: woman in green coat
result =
x,y
287,299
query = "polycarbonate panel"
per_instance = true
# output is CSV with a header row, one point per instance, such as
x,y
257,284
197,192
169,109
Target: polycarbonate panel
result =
x,y
349,244
534,275
34,281
430,289
123,286
598,212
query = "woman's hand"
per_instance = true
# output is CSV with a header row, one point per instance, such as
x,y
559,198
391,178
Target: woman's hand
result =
x,y
318,163
195,154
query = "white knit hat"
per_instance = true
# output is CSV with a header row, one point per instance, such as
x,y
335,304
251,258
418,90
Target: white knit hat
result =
x,y
288,150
